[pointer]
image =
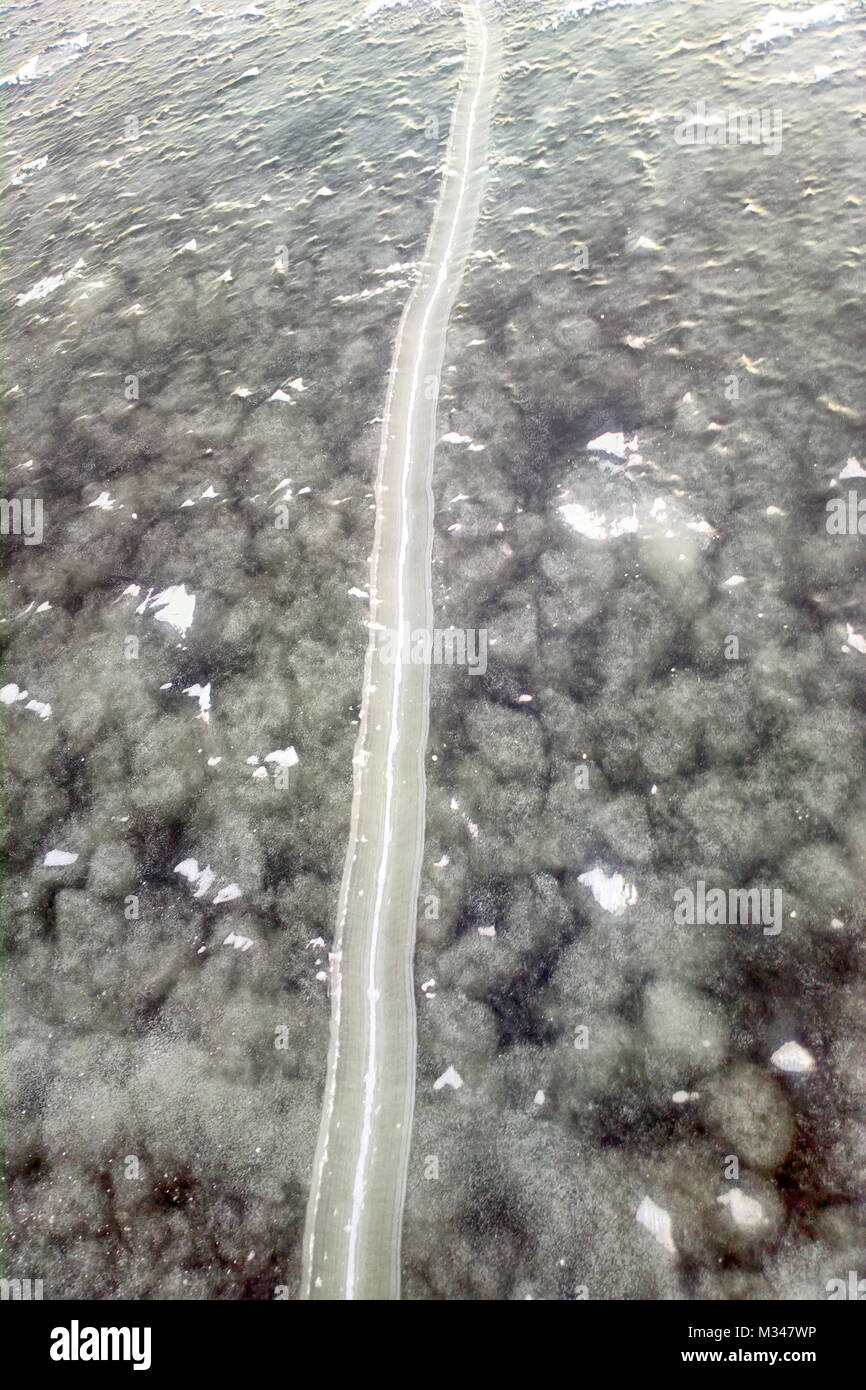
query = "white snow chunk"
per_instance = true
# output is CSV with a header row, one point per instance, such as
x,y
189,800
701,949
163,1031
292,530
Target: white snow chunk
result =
x,y
610,892
228,894
779,24
486,931
10,693
614,444
657,1222
595,525
746,1212
683,1097
324,192
26,73
240,943
41,290
855,640
205,879
39,707
450,1077
793,1058
853,469
104,501
280,395
539,1098
58,859
176,607
283,757
202,694
453,438
734,581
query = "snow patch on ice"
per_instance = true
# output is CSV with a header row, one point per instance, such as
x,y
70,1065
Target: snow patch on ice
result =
x,y
450,1077
283,757
595,525
657,1222
240,943
793,1058
41,290
613,443
746,1212
784,24
611,892
228,894
202,694
174,606
854,639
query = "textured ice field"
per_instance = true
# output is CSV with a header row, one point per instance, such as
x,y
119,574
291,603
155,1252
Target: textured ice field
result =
x,y
653,386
